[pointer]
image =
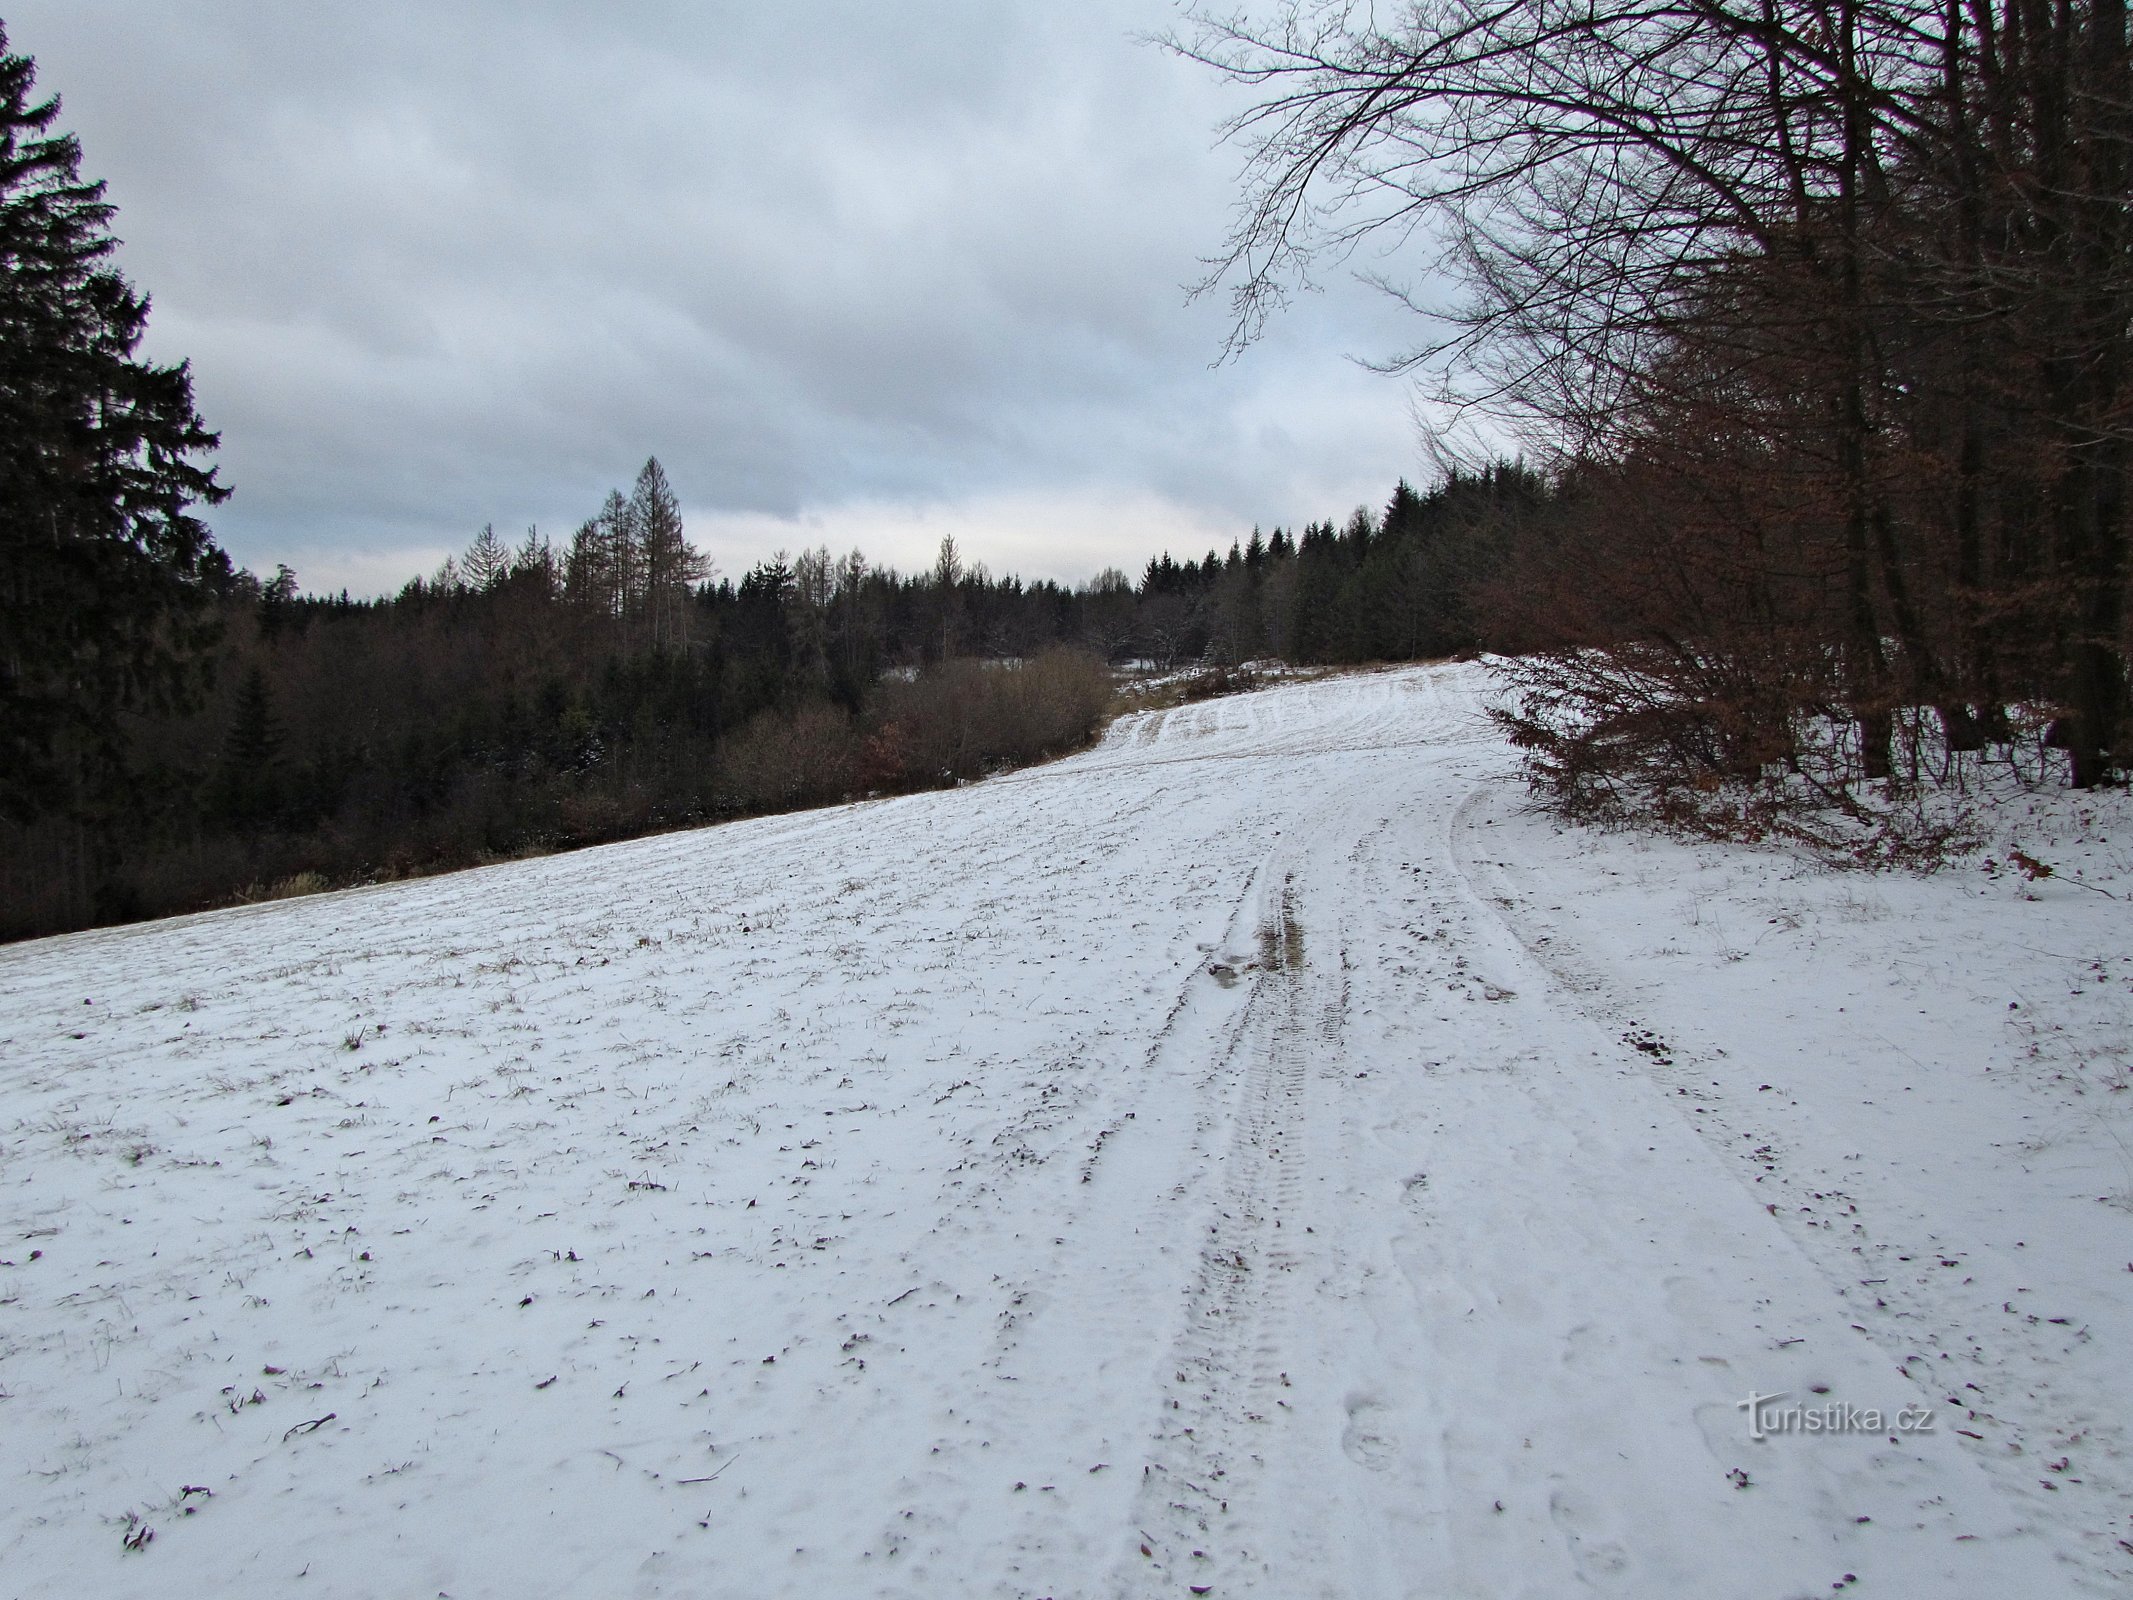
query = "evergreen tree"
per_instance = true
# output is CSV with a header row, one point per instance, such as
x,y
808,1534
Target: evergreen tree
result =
x,y
586,569
535,568
1315,615
104,573
248,785
277,601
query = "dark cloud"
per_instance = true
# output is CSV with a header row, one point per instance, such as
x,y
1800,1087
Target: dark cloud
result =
x,y
850,270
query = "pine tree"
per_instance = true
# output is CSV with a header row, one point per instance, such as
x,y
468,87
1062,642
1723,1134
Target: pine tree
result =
x,y
104,573
534,565
586,582
248,786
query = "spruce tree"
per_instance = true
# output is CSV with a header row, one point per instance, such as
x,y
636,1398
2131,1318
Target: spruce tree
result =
x,y
104,573
248,787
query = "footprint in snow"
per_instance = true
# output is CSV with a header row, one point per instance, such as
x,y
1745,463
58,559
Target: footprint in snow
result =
x,y
1366,1440
1596,1557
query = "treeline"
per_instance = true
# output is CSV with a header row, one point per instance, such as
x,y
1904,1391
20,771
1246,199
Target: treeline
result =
x,y
532,696
1418,579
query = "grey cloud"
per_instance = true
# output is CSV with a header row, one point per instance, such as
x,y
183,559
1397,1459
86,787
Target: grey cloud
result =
x,y
436,266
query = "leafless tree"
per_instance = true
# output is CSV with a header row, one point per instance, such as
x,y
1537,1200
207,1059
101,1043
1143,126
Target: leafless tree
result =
x,y
1877,247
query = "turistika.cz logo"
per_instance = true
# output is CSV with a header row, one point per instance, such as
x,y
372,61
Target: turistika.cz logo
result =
x,y
1769,1415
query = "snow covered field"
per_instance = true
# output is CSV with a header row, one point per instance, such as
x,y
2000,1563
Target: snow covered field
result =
x,y
1252,1157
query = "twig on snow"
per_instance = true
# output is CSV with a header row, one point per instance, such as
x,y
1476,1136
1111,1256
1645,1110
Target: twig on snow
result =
x,y
710,1477
312,1426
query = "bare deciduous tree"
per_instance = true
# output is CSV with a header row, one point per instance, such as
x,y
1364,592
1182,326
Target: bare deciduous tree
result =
x,y
1873,253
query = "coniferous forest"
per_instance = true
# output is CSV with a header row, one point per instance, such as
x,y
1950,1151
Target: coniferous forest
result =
x,y
532,696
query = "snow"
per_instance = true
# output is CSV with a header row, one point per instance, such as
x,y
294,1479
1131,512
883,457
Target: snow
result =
x,y
1256,1156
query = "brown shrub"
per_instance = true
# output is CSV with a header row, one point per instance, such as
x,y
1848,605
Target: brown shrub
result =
x,y
964,718
783,760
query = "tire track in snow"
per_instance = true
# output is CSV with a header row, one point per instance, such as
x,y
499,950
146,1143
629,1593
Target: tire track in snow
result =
x,y
1224,1402
2013,1359
1078,1316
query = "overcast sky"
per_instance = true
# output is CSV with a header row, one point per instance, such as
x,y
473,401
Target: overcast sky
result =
x,y
857,273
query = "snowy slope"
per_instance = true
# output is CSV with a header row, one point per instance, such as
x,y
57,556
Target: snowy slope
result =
x,y
1211,1164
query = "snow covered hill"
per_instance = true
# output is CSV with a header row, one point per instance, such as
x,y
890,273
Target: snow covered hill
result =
x,y
1254,1157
